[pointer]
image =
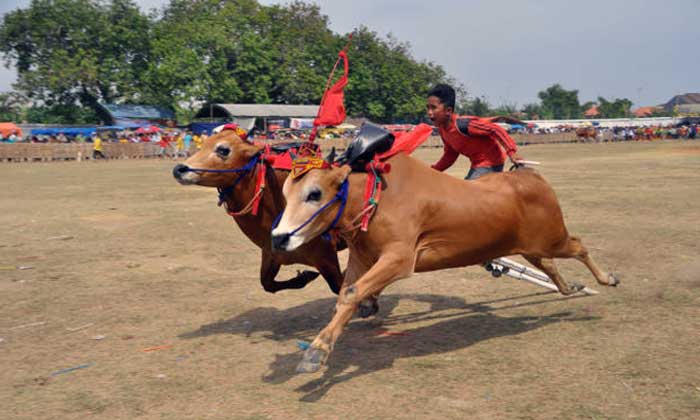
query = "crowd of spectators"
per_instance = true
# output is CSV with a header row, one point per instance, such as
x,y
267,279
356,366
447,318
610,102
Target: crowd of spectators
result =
x,y
656,132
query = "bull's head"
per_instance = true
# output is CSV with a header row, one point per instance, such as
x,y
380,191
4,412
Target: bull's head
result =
x,y
223,151
306,194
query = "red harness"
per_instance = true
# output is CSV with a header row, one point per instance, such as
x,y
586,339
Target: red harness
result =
x,y
277,161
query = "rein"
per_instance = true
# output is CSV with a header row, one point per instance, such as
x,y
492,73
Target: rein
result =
x,y
341,195
224,193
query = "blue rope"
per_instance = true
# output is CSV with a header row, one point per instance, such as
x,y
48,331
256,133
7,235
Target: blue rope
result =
x,y
225,192
277,220
341,195
248,166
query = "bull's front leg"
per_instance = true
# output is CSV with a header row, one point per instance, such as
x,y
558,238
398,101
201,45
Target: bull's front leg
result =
x,y
389,268
269,268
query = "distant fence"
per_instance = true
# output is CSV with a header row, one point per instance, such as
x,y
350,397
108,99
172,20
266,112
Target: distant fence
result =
x,y
38,152
44,152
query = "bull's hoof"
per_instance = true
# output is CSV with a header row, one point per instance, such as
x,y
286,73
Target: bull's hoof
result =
x,y
307,276
576,287
367,308
312,361
613,279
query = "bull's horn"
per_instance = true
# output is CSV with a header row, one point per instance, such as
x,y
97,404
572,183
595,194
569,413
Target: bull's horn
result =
x,y
331,156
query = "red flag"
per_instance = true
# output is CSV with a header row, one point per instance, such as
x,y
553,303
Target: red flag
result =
x,y
332,110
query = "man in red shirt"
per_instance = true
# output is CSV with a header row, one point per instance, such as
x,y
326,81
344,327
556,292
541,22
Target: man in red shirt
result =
x,y
483,142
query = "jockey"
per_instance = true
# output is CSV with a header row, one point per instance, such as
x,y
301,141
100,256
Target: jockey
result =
x,y
483,142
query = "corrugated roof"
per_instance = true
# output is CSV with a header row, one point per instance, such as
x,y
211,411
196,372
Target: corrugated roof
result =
x,y
267,110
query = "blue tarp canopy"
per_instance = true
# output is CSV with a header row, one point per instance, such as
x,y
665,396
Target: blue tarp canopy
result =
x,y
68,131
199,128
139,112
114,127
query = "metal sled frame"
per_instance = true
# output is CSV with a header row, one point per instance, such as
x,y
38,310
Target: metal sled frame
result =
x,y
518,271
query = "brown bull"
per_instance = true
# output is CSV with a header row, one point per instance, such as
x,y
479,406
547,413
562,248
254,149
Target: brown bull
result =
x,y
426,221
587,133
226,151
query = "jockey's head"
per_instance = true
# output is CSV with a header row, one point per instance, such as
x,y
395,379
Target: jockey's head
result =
x,y
441,105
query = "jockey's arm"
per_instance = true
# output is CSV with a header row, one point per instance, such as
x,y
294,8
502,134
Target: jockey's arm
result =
x,y
449,156
478,127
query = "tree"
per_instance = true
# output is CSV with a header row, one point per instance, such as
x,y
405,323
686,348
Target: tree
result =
x,y
477,106
11,106
559,103
618,108
532,111
76,52
82,52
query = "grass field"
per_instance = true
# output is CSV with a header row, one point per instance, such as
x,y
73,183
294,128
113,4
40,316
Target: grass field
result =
x,y
118,258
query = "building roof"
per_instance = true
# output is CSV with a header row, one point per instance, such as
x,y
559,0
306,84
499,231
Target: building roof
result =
x,y
686,109
685,99
257,110
141,112
592,111
644,111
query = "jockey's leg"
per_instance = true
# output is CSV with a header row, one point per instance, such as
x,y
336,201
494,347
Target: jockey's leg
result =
x,y
389,268
475,173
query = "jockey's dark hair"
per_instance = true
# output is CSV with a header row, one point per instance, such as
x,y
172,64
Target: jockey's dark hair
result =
x,y
445,93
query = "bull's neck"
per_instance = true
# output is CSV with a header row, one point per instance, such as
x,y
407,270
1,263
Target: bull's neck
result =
x,y
258,227
354,206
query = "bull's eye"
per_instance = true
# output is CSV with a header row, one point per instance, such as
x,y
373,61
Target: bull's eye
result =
x,y
223,151
314,195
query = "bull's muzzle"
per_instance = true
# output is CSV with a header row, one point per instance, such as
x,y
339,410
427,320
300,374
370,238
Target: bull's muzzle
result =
x,y
280,241
179,170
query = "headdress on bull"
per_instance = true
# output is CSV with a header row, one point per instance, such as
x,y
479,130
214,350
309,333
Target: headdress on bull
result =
x,y
301,166
240,132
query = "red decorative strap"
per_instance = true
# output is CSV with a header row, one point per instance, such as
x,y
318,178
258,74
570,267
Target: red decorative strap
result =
x,y
373,190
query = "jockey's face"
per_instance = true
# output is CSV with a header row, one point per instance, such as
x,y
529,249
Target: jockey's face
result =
x,y
438,113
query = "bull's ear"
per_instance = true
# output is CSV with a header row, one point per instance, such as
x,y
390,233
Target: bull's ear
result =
x,y
341,174
331,156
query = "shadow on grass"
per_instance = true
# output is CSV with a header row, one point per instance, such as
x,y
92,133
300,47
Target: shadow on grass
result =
x,y
362,349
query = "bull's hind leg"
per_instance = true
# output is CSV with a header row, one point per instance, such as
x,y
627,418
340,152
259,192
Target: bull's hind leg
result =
x,y
550,269
575,249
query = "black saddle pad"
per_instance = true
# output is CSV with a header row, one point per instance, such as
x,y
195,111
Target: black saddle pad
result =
x,y
371,139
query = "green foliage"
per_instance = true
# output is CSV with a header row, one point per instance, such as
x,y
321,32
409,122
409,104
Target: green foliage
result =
x,y
82,52
559,103
10,107
76,52
532,111
618,108
477,106
59,114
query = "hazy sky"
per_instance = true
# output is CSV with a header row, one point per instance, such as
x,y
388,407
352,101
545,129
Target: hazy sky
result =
x,y
508,50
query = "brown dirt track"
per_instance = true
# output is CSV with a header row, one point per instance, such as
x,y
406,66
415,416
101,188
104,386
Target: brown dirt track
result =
x,y
120,249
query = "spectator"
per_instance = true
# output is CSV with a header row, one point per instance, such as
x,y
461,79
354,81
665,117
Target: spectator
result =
x,y
97,148
187,143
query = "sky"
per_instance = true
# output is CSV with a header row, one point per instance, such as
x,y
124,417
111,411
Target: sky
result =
x,y
509,50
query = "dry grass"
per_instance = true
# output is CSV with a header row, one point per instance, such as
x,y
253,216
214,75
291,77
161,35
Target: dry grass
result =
x,y
120,249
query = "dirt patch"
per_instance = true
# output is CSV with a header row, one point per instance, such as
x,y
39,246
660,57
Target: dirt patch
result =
x,y
149,264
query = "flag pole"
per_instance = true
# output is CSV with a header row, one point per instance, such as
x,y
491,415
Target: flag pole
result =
x,y
314,130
